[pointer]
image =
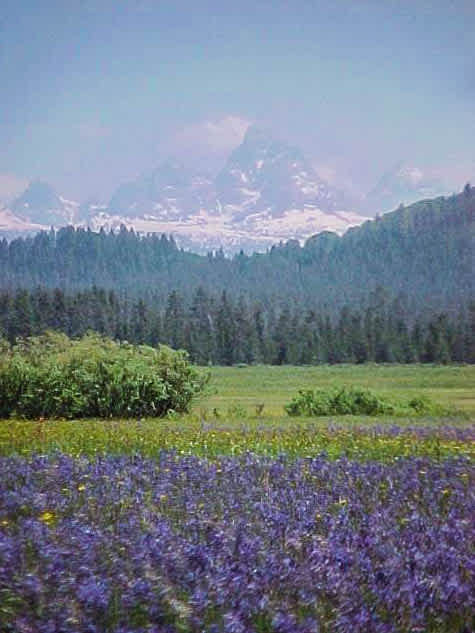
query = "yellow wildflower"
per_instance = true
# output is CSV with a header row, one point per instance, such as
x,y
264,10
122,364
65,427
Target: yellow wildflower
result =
x,y
47,517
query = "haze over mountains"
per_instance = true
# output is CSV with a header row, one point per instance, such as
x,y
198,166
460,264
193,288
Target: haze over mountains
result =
x,y
402,185
267,192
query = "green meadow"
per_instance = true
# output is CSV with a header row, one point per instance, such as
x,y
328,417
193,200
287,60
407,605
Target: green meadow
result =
x,y
450,386
243,411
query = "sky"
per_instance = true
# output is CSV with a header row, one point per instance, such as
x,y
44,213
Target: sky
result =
x,y
95,92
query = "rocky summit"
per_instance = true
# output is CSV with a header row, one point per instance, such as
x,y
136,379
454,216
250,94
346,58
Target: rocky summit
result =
x,y
266,192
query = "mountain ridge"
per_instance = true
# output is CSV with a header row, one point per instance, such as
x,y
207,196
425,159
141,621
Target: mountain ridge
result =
x,y
266,192
424,251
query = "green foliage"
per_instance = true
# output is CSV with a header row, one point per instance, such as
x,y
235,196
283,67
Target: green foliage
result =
x,y
211,430
355,401
54,376
423,406
237,411
343,401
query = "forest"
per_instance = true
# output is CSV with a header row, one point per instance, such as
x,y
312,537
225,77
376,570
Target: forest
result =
x,y
222,330
423,251
397,289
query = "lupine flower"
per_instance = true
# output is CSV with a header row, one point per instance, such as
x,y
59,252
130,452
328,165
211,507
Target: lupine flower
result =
x,y
244,544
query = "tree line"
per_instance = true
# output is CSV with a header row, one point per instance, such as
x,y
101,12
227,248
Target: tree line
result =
x,y
226,330
424,251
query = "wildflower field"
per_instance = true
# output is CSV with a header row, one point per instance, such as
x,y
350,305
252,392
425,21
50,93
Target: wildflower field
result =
x,y
239,518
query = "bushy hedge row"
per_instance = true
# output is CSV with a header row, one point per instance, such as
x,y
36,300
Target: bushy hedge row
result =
x,y
353,401
54,376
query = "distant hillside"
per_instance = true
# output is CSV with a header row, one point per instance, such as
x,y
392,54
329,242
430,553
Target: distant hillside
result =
x,y
424,252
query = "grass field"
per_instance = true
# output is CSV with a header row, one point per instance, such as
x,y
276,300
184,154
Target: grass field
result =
x,y
243,411
450,386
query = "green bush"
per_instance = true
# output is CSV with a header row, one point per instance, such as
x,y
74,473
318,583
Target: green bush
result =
x,y
344,401
420,404
53,376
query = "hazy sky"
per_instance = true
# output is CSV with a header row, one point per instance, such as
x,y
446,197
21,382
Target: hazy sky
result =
x,y
94,92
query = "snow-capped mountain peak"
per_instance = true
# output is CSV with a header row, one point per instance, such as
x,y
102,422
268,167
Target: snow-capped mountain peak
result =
x,y
264,174
266,192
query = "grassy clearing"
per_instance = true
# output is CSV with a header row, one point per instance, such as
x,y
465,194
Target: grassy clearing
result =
x,y
232,421
246,387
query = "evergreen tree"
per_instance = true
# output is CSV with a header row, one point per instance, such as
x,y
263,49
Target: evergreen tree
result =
x,y
225,332
21,317
174,321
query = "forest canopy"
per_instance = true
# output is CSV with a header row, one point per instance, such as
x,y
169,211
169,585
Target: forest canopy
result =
x,y
424,251
222,330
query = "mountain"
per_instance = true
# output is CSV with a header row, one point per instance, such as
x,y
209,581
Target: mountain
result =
x,y
13,226
267,192
423,252
265,175
170,192
40,204
404,184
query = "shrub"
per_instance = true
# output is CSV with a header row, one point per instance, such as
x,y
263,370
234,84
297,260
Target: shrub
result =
x,y
53,376
344,401
420,404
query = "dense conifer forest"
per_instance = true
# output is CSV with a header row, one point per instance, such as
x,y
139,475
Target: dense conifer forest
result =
x,y
424,251
217,329
397,289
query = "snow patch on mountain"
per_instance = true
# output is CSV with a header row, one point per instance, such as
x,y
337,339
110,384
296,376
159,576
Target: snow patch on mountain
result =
x,y
12,225
266,192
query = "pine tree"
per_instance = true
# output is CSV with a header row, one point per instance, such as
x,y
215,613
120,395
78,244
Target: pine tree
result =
x,y
174,321
225,332
21,318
